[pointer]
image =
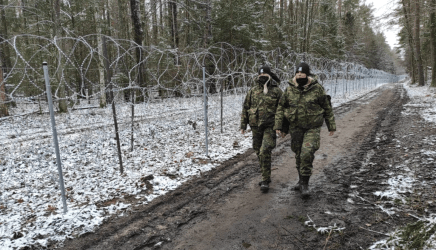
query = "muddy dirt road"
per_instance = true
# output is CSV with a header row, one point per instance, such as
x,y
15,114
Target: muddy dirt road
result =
x,y
224,208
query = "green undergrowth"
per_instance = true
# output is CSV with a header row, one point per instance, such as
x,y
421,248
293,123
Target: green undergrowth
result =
x,y
417,235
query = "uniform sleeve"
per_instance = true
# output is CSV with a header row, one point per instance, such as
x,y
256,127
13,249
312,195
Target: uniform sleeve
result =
x,y
327,106
280,112
279,95
245,108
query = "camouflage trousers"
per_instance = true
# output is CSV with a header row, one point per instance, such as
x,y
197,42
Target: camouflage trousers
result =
x,y
304,143
264,141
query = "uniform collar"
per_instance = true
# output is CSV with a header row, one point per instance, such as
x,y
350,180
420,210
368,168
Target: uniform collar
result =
x,y
309,85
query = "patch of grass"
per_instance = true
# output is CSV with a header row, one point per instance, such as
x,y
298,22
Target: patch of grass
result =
x,y
397,202
289,217
302,218
334,246
416,235
246,245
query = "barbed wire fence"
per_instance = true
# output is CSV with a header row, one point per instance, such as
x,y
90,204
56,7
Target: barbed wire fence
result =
x,y
158,98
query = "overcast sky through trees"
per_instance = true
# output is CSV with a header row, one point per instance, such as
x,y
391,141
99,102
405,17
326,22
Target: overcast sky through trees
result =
x,y
381,9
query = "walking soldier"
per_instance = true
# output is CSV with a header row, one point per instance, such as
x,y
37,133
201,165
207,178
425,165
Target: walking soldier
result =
x,y
259,110
305,105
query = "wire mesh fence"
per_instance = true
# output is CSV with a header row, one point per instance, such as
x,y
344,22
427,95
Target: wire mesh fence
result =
x,y
158,98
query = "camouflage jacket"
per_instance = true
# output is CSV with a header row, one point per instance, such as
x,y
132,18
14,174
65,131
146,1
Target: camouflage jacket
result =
x,y
259,109
304,108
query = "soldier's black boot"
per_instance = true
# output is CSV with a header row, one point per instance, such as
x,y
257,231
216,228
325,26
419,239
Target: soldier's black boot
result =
x,y
264,186
297,186
304,188
268,181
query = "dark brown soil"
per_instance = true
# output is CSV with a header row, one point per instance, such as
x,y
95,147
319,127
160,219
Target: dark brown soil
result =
x,y
224,208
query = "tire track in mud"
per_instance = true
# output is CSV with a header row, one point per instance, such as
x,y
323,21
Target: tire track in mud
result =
x,y
158,223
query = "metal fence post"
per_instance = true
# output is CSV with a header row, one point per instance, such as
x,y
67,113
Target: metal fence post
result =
x,y
222,88
114,112
221,113
55,135
205,109
133,120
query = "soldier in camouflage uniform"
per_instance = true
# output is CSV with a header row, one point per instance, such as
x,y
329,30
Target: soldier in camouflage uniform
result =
x,y
259,111
305,106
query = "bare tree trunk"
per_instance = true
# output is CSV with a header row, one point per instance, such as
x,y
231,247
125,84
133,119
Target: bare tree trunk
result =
x,y
154,21
299,14
296,25
138,33
410,38
310,25
291,23
207,32
144,17
108,17
418,44
58,33
306,16
231,30
172,17
188,20
98,24
5,59
340,18
123,23
161,17
3,106
433,41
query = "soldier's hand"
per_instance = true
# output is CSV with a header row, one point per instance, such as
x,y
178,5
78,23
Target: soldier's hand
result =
x,y
278,132
242,131
331,133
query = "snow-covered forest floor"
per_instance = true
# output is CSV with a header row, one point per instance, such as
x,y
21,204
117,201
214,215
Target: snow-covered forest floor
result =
x,y
168,150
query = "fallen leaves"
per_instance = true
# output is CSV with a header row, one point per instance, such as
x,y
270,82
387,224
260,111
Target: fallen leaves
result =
x,y
189,154
51,208
203,161
110,202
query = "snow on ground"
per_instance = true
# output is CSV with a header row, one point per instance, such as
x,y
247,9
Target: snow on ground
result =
x,y
403,180
423,97
169,149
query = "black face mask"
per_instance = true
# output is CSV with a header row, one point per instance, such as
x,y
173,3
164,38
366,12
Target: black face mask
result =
x,y
302,81
263,79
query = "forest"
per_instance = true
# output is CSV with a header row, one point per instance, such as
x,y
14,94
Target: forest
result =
x,y
91,46
148,97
